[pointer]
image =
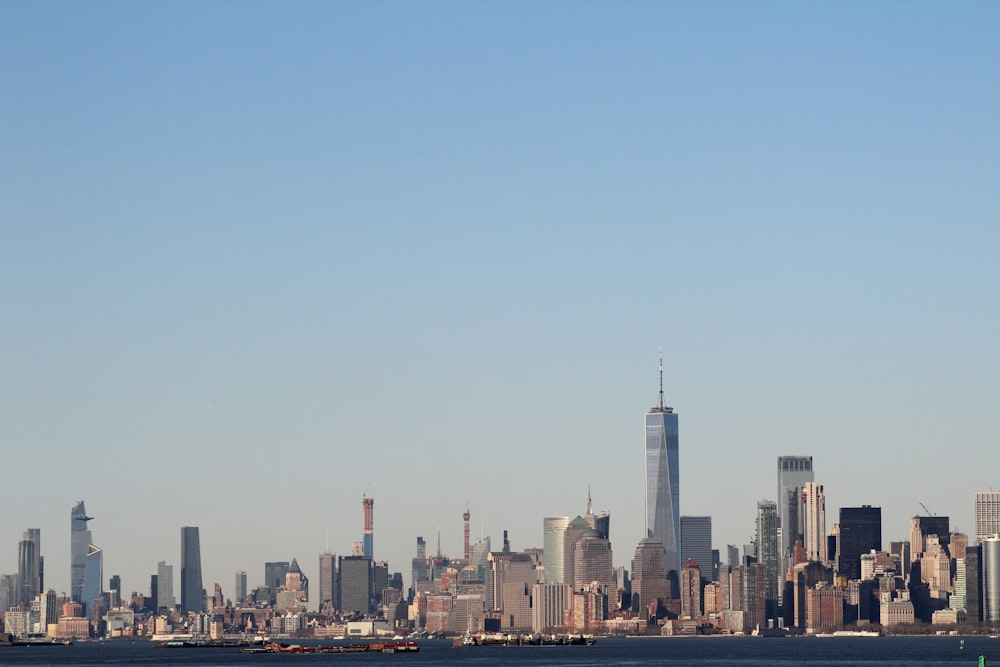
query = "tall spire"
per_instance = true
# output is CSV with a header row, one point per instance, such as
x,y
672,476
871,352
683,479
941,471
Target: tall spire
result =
x,y
590,505
661,405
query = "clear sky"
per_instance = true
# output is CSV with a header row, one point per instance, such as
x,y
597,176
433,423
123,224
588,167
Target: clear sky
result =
x,y
260,258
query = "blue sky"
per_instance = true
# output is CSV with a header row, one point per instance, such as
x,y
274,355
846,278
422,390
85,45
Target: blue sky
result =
x,y
260,258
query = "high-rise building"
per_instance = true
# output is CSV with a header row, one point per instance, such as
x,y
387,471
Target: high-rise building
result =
x,y
860,532
768,556
663,478
79,544
922,527
512,578
29,566
93,578
793,473
574,532
592,561
553,536
327,579
990,564
191,586
649,576
368,508
987,514
240,588
814,521
696,542
691,589
355,587
165,587
274,577
599,522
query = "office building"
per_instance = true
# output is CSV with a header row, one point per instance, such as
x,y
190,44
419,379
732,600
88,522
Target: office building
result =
x,y
29,566
165,601
922,527
191,586
814,522
768,556
649,576
355,586
860,532
240,594
696,542
327,579
990,564
549,605
553,535
574,532
592,562
93,579
793,473
80,539
512,578
987,514
663,478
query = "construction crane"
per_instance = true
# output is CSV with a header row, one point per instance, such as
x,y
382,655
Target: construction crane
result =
x,y
929,513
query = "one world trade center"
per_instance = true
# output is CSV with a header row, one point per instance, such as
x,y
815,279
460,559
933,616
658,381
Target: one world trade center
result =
x,y
662,479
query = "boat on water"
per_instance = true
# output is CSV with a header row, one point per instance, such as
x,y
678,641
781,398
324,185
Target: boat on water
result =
x,y
501,639
370,647
7,639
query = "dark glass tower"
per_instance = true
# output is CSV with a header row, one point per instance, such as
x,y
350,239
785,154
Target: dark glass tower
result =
x,y
860,532
191,587
663,515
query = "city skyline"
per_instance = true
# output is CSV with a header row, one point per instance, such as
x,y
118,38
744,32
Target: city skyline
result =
x,y
360,245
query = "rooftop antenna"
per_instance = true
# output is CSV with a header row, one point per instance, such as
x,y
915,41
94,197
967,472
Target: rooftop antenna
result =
x,y
590,505
439,539
661,405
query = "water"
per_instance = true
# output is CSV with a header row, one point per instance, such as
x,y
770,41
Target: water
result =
x,y
672,652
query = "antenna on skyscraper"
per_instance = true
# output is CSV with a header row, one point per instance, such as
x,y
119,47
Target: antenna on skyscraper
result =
x,y
661,405
439,539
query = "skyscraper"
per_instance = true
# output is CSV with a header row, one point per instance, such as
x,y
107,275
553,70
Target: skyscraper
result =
x,y
663,478
191,587
987,514
79,544
767,555
793,473
860,532
165,587
696,542
29,565
814,521
327,579
93,578
368,507
553,536
240,592
990,568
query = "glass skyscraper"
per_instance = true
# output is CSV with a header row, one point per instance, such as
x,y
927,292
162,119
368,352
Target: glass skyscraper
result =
x,y
191,588
663,479
860,532
79,545
793,473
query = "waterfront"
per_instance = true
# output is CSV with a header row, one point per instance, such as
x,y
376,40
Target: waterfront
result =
x,y
679,652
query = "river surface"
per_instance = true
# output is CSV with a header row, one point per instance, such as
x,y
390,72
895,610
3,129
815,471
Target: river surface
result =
x,y
678,652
